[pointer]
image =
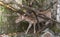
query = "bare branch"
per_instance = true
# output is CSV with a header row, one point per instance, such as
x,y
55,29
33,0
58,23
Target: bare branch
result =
x,y
46,26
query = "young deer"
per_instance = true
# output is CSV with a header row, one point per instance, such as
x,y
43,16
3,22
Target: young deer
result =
x,y
32,20
28,19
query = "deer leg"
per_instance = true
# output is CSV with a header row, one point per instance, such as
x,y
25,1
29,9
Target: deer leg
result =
x,y
34,28
30,24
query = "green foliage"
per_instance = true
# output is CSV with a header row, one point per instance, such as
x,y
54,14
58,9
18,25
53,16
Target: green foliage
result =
x,y
42,1
55,29
7,18
22,26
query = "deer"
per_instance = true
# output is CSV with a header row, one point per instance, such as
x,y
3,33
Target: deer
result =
x,y
32,20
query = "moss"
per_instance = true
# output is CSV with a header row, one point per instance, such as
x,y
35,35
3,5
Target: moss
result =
x,y
55,29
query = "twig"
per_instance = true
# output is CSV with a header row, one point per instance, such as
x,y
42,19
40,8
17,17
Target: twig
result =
x,y
47,18
46,26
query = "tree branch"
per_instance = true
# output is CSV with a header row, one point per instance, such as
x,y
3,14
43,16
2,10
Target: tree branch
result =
x,y
46,26
7,6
